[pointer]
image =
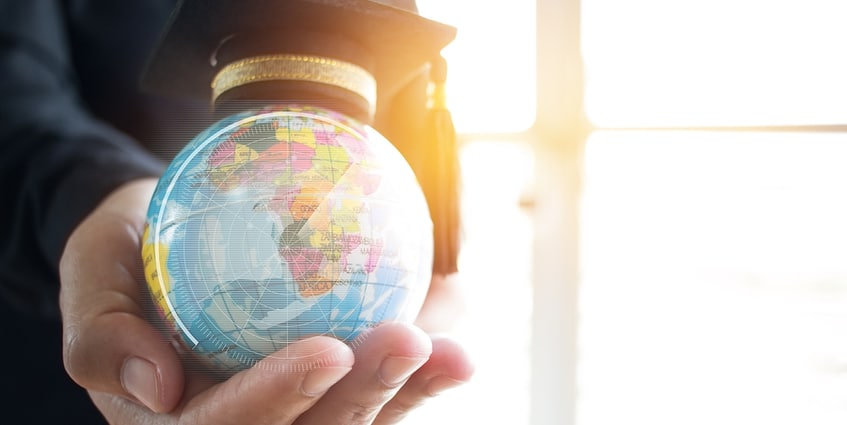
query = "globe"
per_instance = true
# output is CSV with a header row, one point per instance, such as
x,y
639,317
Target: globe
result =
x,y
283,223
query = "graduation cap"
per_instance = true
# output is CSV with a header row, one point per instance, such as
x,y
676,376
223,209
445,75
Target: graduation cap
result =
x,y
355,49
345,54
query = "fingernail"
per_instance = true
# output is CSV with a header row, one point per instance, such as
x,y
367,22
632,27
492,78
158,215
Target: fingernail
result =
x,y
141,380
440,384
395,370
318,381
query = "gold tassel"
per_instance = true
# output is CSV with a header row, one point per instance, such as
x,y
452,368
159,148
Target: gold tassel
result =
x,y
441,185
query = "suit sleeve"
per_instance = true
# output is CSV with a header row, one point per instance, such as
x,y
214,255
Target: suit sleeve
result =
x,y
57,161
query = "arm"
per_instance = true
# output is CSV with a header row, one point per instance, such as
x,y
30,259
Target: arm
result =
x,y
78,190
57,162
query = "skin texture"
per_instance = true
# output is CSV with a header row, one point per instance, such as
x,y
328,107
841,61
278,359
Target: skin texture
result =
x,y
135,376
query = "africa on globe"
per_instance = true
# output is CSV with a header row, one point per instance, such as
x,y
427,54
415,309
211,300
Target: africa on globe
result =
x,y
283,223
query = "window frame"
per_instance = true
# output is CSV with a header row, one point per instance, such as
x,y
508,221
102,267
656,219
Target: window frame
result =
x,y
559,139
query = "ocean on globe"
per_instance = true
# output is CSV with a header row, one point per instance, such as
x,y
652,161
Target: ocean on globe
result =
x,y
282,223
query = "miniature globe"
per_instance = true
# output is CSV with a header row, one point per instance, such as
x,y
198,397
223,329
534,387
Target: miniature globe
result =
x,y
283,223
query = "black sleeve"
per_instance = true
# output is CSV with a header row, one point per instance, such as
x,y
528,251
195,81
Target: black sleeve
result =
x,y
57,161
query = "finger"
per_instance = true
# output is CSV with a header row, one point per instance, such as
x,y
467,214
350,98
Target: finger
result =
x,y
448,367
108,345
385,358
278,389
120,410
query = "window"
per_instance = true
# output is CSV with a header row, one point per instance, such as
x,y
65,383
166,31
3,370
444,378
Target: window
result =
x,y
491,63
492,97
681,252
714,278
713,234
668,63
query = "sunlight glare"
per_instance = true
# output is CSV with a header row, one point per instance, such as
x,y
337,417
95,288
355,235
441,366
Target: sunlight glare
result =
x,y
672,63
491,83
714,282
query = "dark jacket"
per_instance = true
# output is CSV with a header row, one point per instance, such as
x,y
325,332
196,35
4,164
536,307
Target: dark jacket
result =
x,y
71,120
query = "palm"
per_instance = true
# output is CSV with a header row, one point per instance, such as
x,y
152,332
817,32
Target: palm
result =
x,y
104,326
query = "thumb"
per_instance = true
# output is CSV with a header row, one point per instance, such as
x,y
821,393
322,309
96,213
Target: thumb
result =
x,y
108,345
276,390
119,353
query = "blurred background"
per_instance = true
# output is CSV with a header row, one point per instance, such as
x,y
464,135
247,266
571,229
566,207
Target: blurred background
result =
x,y
655,201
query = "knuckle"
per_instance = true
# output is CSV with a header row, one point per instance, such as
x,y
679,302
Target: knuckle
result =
x,y
83,351
360,412
73,354
402,405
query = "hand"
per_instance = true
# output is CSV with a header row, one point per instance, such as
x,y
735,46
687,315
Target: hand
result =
x,y
135,376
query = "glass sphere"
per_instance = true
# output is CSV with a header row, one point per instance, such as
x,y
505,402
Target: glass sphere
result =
x,y
282,223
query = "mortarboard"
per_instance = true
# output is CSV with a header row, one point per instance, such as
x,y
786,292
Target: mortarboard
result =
x,y
386,39
352,52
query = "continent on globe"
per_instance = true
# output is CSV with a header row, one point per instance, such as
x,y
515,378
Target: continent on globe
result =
x,y
283,223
